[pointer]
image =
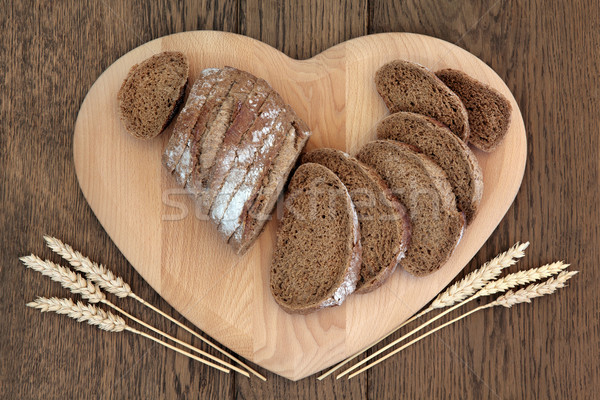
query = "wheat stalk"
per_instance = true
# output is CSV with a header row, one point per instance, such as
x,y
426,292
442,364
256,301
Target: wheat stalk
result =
x,y
477,279
458,292
94,272
104,320
67,278
116,285
525,295
82,313
79,285
500,285
509,299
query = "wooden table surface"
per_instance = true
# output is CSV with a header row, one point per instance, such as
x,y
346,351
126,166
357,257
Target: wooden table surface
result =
x,y
546,51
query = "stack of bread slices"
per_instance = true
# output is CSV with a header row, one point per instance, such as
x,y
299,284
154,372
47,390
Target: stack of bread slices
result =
x,y
403,200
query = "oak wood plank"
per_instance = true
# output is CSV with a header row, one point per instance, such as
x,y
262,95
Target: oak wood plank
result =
x,y
52,52
549,348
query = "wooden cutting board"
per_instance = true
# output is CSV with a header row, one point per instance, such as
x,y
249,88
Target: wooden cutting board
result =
x,y
154,223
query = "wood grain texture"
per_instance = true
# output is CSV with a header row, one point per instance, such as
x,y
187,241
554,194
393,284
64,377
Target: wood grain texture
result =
x,y
543,50
154,223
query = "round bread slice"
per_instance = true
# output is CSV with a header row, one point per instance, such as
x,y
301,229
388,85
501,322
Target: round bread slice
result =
x,y
384,223
152,93
489,111
422,187
408,86
449,152
318,253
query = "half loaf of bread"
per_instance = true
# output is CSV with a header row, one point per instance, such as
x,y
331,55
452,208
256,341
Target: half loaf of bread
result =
x,y
233,147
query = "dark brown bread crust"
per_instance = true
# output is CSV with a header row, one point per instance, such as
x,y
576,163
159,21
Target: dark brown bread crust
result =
x,y
384,223
264,203
152,93
188,116
246,114
317,257
489,111
210,110
263,143
421,186
408,86
437,142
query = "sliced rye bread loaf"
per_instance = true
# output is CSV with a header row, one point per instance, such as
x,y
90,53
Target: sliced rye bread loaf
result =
x,y
384,223
254,217
408,86
209,112
186,120
437,142
421,186
238,152
152,92
316,263
489,111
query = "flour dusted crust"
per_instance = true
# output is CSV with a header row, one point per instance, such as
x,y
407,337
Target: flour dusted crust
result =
x,y
188,116
230,150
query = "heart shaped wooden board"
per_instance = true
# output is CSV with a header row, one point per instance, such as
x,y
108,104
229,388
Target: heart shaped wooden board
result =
x,y
154,223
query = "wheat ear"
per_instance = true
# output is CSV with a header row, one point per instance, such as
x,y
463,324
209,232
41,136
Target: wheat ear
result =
x,y
116,285
457,292
509,299
500,285
79,285
104,320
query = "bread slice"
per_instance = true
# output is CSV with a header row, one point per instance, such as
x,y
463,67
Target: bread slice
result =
x,y
384,223
186,120
260,211
421,186
489,111
449,152
408,86
317,257
152,93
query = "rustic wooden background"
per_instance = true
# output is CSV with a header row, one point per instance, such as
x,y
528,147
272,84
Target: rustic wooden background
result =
x,y
51,52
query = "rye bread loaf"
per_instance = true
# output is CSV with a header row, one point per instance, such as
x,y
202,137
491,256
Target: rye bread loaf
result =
x,y
449,152
234,149
408,86
489,111
422,187
317,256
384,223
152,92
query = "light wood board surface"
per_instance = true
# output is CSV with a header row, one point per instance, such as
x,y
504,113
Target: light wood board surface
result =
x,y
154,223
